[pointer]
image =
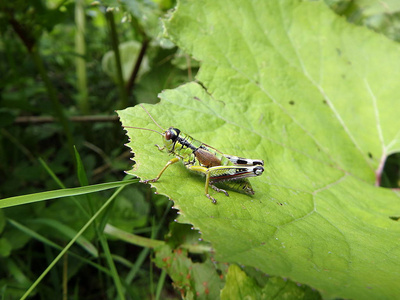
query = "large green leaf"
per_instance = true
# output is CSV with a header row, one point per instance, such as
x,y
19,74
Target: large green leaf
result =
x,y
316,98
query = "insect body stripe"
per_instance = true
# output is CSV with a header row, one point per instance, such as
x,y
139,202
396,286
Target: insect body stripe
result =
x,y
244,161
185,143
224,173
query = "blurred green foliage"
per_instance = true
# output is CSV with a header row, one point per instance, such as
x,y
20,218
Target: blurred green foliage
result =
x,y
43,32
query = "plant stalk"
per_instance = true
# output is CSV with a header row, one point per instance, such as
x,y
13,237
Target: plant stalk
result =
x,y
115,46
80,62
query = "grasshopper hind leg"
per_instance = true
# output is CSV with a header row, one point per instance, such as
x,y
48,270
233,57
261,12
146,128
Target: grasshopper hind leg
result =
x,y
219,190
213,200
206,172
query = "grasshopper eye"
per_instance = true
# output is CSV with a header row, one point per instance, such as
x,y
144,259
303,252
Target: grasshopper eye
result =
x,y
168,135
172,134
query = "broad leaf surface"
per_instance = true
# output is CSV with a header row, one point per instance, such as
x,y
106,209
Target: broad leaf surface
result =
x,y
316,98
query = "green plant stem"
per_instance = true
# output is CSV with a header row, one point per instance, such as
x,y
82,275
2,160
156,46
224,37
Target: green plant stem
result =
x,y
138,63
65,277
149,243
160,283
132,238
80,49
115,47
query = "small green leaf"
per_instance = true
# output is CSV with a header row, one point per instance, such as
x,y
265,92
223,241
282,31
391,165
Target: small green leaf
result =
x,y
240,286
194,280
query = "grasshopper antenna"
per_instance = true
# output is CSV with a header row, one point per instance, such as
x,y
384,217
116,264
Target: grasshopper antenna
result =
x,y
151,118
143,129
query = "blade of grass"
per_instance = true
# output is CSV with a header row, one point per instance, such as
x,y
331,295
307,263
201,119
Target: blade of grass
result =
x,y
65,277
111,265
14,270
81,173
68,232
60,255
138,263
102,238
25,199
61,185
46,241
51,173
33,234
122,260
160,283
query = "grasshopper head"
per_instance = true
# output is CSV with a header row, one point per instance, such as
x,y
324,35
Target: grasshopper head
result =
x,y
170,137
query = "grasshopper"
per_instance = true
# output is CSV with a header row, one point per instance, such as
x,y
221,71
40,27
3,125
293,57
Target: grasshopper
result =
x,y
217,167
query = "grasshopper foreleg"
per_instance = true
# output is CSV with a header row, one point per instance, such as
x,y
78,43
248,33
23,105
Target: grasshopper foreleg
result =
x,y
170,162
159,148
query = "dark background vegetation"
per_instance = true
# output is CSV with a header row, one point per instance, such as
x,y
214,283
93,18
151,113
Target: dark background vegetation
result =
x,y
53,83
59,88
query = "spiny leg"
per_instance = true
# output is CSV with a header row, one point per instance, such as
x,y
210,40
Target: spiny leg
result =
x,y
219,190
213,200
170,162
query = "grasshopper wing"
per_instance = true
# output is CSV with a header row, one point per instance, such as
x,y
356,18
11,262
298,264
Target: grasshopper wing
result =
x,y
228,173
